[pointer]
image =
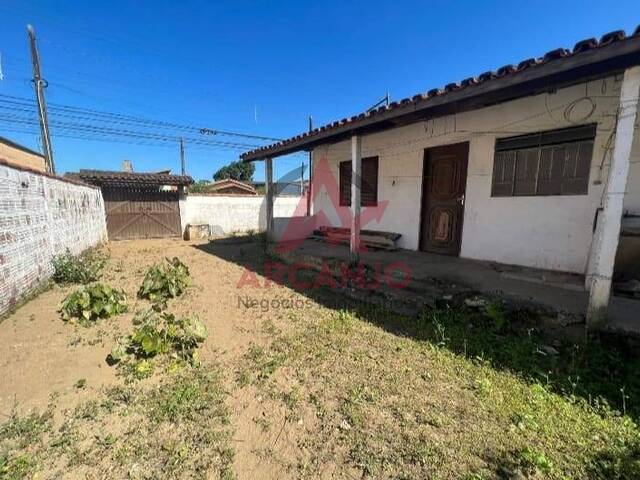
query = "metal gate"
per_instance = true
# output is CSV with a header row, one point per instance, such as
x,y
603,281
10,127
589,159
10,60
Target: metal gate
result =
x,y
140,213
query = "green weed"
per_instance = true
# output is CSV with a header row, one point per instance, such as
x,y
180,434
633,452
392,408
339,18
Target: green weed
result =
x,y
159,334
88,303
164,281
83,269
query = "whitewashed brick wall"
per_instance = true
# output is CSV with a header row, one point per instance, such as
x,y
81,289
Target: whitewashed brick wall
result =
x,y
41,216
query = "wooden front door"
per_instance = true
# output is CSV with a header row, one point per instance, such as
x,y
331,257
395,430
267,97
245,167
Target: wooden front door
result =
x,y
133,213
443,188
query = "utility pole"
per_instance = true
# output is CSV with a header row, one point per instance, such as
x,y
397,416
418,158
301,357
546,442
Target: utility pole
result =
x,y
40,85
183,165
309,190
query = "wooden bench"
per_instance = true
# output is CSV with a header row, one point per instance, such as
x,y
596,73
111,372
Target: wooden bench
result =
x,y
373,239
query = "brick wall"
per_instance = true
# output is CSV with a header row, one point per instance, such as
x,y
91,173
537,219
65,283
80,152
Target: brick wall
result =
x,y
41,216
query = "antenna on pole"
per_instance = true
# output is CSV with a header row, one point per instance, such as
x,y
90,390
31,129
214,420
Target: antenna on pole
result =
x,y
40,85
183,165
385,101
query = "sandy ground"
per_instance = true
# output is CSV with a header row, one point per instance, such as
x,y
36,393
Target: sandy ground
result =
x,y
43,357
324,391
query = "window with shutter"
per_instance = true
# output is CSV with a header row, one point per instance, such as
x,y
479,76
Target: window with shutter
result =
x,y
555,162
369,183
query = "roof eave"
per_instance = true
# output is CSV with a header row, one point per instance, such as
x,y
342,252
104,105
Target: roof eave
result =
x,y
596,63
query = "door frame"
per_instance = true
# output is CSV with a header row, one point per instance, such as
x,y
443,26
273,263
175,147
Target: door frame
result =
x,y
425,160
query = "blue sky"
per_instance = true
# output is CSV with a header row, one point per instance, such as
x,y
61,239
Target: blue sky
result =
x,y
262,67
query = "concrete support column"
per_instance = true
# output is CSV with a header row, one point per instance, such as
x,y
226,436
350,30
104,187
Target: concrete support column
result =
x,y
269,195
607,232
356,176
310,189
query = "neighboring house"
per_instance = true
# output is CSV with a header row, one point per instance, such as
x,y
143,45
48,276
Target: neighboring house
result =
x,y
285,189
139,205
229,186
16,154
526,165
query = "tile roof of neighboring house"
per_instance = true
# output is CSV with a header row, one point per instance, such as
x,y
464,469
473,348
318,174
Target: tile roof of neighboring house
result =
x,y
230,182
68,179
115,178
614,51
285,188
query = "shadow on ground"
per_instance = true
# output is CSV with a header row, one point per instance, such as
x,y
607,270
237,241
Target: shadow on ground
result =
x,y
603,371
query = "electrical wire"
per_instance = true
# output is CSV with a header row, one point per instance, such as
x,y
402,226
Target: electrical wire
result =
x,y
112,132
11,99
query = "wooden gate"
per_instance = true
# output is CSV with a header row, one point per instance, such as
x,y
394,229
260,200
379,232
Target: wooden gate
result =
x,y
139,213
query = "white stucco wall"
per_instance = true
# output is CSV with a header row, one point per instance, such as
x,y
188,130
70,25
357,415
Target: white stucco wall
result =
x,y
544,232
234,213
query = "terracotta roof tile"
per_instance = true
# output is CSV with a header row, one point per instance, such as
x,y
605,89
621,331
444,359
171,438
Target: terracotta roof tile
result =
x,y
529,62
611,37
483,77
467,82
108,177
555,54
506,70
584,45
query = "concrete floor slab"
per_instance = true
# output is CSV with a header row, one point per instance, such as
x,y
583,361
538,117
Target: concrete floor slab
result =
x,y
560,292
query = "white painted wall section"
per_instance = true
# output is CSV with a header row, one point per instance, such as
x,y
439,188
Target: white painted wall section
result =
x,y
552,232
236,213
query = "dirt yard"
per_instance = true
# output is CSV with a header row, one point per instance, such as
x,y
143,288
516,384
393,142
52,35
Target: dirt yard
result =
x,y
301,385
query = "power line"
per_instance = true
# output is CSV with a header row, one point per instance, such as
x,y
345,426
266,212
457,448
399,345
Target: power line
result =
x,y
87,128
115,140
69,108
102,123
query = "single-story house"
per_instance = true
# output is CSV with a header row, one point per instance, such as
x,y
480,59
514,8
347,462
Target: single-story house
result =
x,y
229,186
533,164
285,189
22,156
139,204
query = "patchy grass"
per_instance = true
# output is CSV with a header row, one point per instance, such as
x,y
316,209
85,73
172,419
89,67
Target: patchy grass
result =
x,y
176,429
356,393
453,394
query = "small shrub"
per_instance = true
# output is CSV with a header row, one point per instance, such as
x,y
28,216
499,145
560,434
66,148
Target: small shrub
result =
x,y
83,269
164,281
89,303
159,334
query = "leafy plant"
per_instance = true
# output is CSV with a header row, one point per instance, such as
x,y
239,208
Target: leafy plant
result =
x,y
83,269
532,460
164,281
88,303
160,334
495,312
